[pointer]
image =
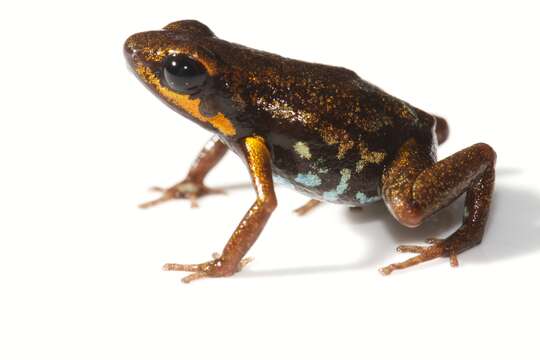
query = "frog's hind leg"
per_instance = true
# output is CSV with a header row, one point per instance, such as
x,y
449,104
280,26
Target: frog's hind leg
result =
x,y
192,187
414,187
307,207
441,129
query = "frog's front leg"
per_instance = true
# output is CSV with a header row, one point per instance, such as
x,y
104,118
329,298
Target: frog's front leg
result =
x,y
192,187
258,161
414,187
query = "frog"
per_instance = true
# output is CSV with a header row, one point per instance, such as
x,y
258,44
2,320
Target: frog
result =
x,y
320,129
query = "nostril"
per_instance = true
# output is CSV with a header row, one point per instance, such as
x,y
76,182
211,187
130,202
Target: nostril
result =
x,y
128,47
130,50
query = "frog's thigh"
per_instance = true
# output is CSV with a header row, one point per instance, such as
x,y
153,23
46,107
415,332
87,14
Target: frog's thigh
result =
x,y
414,186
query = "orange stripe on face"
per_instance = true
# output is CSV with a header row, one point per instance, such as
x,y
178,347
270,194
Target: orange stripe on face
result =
x,y
220,122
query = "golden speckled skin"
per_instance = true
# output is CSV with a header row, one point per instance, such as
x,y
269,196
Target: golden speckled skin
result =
x,y
321,129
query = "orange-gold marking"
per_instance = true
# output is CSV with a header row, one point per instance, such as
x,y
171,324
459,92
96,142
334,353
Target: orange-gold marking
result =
x,y
332,135
219,121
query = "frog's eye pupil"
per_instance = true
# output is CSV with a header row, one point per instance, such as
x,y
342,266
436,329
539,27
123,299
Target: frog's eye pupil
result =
x,y
183,74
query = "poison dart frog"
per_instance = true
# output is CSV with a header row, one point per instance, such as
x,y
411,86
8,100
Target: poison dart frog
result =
x,y
321,129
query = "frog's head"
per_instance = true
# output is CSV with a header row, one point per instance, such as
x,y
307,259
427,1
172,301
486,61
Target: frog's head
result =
x,y
178,65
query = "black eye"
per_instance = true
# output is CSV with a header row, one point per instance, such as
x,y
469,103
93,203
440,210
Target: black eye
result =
x,y
183,74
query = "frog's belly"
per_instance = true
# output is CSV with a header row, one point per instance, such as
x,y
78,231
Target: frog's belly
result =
x,y
345,191
322,172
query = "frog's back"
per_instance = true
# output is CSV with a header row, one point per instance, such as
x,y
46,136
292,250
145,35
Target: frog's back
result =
x,y
330,132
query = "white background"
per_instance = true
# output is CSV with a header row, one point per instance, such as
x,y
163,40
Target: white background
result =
x,y
81,140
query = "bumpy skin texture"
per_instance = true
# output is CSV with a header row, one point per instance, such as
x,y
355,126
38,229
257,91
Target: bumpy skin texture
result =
x,y
321,129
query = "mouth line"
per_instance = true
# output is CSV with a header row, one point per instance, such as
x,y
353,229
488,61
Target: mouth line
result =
x,y
130,68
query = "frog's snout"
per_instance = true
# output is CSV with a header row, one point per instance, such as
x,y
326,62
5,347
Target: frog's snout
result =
x,y
142,47
134,45
128,47
130,50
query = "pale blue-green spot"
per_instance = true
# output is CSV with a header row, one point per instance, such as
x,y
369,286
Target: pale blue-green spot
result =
x,y
344,181
280,180
364,199
330,195
333,195
309,179
466,212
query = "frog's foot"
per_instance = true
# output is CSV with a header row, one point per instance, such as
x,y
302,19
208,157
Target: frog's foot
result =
x,y
307,207
213,268
438,248
183,190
